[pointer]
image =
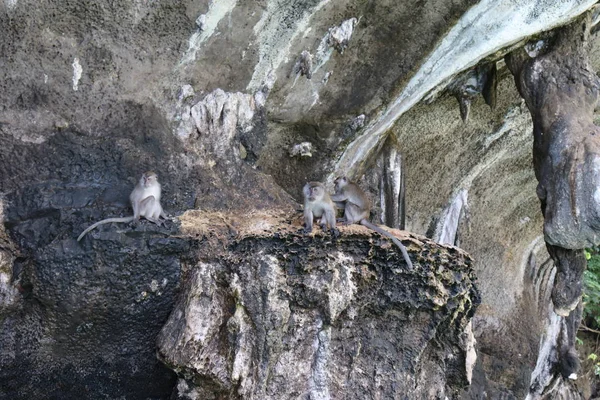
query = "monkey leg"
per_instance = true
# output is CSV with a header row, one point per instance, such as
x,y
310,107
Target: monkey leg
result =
x,y
146,204
329,217
157,221
147,209
164,215
352,214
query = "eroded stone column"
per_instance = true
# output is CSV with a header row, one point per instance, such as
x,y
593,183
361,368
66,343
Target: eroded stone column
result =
x,y
561,92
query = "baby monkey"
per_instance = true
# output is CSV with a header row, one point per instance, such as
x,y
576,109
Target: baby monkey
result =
x,y
145,201
356,204
317,203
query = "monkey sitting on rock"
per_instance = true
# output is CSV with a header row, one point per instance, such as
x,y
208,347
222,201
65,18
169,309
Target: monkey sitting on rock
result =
x,y
317,203
349,196
145,201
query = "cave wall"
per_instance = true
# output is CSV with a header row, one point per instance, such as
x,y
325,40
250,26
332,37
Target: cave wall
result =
x,y
212,96
490,158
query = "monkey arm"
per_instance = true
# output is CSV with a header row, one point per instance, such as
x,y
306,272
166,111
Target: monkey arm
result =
x,y
338,197
330,218
308,219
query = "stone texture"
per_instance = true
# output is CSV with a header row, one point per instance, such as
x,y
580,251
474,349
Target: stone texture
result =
x,y
561,91
94,93
87,315
286,316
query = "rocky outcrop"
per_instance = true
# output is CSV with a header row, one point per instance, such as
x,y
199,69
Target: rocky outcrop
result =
x,y
275,314
236,105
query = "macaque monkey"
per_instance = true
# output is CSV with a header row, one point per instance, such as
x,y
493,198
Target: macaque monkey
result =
x,y
317,203
145,201
356,204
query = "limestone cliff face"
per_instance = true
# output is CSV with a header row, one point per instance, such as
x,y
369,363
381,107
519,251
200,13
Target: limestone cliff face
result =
x,y
236,105
275,314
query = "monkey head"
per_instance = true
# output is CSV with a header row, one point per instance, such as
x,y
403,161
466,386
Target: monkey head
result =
x,y
340,182
313,191
149,178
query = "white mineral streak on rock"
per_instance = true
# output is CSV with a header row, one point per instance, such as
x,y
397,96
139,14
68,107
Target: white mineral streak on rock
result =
x,y
9,295
393,167
342,288
183,112
8,292
534,247
471,354
275,280
186,392
303,149
276,30
77,70
217,10
203,313
201,22
543,374
315,97
516,118
488,27
336,38
451,218
533,49
185,92
319,388
241,325
516,129
596,169
219,116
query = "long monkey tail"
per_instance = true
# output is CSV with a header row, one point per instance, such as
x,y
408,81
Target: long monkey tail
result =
x,y
389,235
104,221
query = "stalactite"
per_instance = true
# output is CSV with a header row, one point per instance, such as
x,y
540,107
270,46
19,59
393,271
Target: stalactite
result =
x,y
391,186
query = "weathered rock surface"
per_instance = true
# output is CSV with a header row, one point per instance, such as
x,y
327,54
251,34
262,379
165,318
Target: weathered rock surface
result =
x,y
214,96
87,315
561,92
274,314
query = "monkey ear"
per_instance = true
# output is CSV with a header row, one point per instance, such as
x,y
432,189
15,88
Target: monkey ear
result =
x,y
306,190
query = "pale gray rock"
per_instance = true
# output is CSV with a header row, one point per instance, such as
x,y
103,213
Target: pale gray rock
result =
x,y
289,316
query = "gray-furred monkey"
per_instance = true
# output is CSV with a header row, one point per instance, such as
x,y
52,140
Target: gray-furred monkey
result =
x,y
357,207
145,201
317,203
